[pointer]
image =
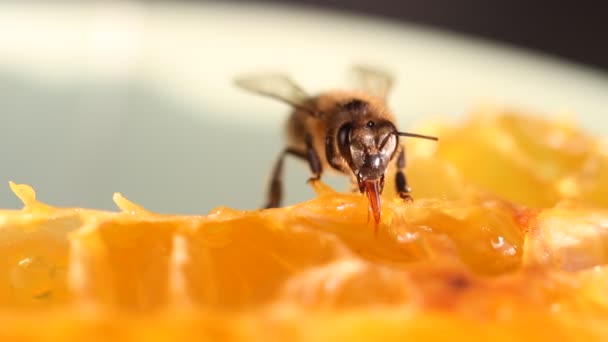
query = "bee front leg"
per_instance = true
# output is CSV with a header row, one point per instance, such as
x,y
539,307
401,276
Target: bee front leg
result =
x,y
275,191
313,159
400,181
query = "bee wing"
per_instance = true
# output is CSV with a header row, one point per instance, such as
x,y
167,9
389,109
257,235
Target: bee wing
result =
x,y
375,81
277,86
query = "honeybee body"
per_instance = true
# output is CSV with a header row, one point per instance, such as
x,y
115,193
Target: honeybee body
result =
x,y
352,132
325,126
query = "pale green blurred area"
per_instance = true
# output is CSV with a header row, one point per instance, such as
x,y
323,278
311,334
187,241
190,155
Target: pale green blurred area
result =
x,y
138,98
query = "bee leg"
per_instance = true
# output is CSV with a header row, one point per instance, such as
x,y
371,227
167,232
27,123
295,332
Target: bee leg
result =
x,y
313,159
275,192
400,181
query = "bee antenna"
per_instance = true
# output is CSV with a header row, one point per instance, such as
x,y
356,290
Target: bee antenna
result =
x,y
414,135
406,134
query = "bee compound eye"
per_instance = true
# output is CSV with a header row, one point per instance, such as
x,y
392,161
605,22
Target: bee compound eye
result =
x,y
344,136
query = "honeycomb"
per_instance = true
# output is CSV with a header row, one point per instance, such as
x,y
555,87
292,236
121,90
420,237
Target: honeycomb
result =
x,y
507,239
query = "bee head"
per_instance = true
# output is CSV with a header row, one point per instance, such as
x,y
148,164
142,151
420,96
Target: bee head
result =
x,y
368,146
368,142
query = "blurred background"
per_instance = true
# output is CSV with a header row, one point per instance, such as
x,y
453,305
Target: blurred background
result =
x,y
575,31
137,96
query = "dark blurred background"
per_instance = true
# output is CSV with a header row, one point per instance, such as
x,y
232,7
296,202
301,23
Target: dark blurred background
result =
x,y
573,30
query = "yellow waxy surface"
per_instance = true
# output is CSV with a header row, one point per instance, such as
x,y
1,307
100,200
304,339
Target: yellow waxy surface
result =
x,y
506,240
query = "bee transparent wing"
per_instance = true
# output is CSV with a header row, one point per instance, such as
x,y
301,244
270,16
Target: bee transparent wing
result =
x,y
375,81
277,86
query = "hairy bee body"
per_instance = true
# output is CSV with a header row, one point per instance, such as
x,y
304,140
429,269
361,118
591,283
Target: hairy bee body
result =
x,y
349,131
335,112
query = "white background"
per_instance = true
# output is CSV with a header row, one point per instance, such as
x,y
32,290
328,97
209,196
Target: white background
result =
x,y
138,98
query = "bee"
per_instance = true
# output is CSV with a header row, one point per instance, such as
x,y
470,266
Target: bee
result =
x,y
349,131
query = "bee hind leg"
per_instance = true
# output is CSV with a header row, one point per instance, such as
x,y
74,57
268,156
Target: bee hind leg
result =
x,y
400,181
275,191
313,160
